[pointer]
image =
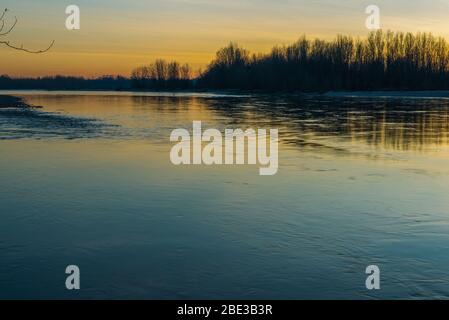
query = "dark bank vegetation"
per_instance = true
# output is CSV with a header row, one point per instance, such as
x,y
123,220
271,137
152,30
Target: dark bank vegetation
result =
x,y
381,61
66,83
384,60
162,75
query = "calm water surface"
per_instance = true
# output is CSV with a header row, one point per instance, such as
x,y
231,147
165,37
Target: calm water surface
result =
x,y
87,180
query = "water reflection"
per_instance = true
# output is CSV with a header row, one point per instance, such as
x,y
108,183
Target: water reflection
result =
x,y
143,228
398,124
307,121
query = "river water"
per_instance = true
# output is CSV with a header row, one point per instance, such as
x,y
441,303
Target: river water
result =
x,y
87,180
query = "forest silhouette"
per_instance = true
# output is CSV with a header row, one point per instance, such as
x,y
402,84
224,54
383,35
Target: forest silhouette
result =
x,y
381,61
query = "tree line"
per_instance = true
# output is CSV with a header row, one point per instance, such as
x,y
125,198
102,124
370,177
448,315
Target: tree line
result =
x,y
162,75
66,83
382,61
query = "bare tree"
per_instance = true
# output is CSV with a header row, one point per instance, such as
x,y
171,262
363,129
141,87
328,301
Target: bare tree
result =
x,y
4,32
185,72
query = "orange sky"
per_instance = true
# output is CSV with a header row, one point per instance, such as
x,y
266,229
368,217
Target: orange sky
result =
x,y
116,36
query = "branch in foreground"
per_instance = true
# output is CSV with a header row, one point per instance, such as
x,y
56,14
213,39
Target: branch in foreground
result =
x,y
2,19
8,44
21,48
3,14
10,29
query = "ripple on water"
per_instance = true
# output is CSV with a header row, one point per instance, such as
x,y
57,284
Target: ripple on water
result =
x,y
21,123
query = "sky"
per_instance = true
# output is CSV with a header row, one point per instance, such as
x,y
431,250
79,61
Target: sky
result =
x,y
116,36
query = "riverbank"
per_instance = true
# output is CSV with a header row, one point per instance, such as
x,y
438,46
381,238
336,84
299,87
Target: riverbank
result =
x,y
443,94
7,101
12,99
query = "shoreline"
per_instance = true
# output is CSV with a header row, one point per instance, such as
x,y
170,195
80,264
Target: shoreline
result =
x,y
11,98
15,98
420,94
13,101
10,101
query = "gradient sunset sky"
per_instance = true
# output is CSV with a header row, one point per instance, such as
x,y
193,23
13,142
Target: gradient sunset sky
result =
x,y
117,36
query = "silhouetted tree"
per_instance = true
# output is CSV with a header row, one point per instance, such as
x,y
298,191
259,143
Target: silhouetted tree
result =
x,y
381,61
66,83
384,60
162,75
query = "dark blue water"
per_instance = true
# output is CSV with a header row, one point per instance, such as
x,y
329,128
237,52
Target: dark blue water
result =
x,y
87,180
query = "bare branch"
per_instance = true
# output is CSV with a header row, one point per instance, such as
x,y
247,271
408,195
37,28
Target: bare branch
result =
x,y
21,48
2,19
10,29
3,14
12,46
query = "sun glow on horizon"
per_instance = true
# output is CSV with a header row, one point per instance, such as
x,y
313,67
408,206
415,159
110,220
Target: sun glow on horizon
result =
x,y
117,36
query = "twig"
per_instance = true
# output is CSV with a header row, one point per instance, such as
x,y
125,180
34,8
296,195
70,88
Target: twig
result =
x,y
10,29
21,48
8,44
4,13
